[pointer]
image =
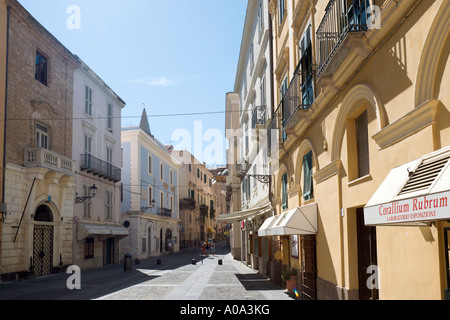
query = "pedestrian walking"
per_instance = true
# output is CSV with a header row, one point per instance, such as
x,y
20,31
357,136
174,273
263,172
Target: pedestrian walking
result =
x,y
203,249
213,248
206,247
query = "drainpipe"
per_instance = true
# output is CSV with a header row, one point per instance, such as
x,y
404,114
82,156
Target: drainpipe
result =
x,y
6,105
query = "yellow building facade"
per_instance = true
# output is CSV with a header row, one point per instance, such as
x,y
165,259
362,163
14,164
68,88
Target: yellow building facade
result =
x,y
362,88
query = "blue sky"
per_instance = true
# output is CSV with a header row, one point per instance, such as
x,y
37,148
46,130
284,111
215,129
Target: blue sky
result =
x,y
176,56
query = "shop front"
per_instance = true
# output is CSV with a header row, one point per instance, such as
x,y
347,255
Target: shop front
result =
x,y
296,231
411,213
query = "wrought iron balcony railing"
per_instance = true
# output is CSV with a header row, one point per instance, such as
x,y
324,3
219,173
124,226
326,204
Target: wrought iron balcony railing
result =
x,y
100,168
341,17
41,157
299,95
164,212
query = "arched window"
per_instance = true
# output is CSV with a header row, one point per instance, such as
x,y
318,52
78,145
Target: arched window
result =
x,y
43,214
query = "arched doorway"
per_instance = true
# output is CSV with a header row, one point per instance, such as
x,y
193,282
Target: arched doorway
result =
x,y
160,240
168,240
149,240
43,241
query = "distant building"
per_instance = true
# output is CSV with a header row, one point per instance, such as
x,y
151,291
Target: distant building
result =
x,y
200,200
150,194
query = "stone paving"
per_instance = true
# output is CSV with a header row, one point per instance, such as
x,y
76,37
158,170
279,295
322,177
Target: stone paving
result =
x,y
176,278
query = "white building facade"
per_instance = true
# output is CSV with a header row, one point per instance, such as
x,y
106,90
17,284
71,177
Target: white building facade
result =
x,y
253,86
98,160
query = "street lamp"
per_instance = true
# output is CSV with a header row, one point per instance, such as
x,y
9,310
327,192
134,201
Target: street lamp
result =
x,y
263,178
152,205
93,193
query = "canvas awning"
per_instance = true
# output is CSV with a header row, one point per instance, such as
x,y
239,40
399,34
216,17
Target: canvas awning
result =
x,y
299,221
413,194
245,214
266,228
103,231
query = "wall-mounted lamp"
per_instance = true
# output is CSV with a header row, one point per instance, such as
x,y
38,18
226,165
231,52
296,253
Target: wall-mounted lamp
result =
x,y
263,178
152,205
93,192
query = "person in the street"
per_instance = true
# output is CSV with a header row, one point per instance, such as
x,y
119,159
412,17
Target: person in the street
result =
x,y
206,248
213,248
203,249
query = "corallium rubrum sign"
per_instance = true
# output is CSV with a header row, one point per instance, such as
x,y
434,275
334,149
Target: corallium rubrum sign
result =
x,y
424,208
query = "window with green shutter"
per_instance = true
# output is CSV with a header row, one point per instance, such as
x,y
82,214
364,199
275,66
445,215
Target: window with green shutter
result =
x,y
307,177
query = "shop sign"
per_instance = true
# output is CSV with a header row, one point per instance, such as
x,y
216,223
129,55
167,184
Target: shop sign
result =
x,y
424,208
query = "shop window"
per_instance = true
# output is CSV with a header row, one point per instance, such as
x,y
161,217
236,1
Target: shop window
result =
x,y
89,248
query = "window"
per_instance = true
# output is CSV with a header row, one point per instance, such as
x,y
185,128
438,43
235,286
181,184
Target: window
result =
x,y
87,203
109,158
161,171
307,177
109,205
87,144
89,248
198,173
204,178
252,58
150,165
161,198
41,136
282,10
41,71
171,203
306,69
171,177
261,18
362,144
192,194
190,167
88,101
284,196
109,122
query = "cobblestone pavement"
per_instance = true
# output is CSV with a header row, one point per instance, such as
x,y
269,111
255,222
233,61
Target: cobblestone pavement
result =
x,y
176,278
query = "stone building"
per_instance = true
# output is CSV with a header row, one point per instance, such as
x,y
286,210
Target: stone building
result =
x,y
37,231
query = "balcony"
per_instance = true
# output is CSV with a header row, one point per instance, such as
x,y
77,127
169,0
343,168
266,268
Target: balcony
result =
x,y
187,203
99,167
343,26
164,212
41,157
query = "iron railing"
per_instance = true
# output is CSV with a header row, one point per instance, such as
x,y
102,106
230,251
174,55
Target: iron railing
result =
x,y
299,95
164,212
100,167
341,17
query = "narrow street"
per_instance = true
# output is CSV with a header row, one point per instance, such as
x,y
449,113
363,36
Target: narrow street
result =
x,y
176,278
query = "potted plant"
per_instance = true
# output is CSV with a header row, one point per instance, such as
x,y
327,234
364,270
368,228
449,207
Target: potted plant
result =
x,y
290,276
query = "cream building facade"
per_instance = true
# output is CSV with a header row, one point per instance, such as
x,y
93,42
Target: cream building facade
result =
x,y
361,87
97,154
